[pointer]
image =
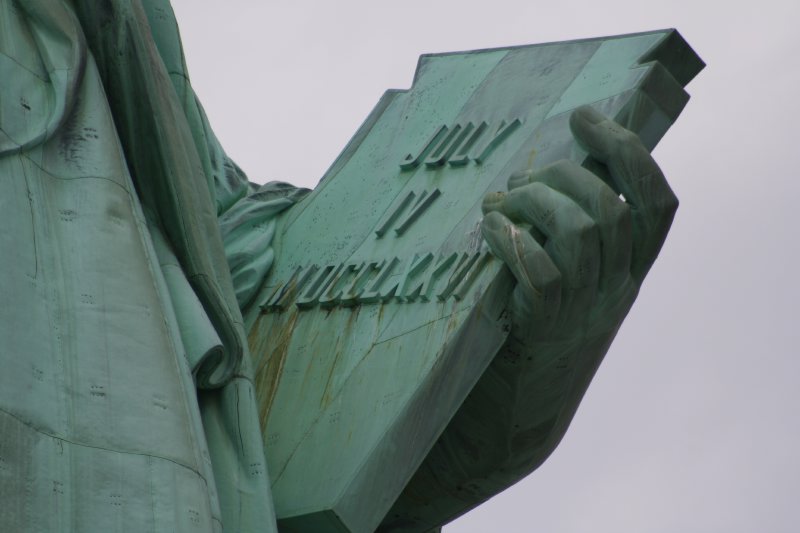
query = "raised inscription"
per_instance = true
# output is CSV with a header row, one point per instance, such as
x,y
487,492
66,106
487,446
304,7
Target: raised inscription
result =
x,y
424,201
459,144
421,279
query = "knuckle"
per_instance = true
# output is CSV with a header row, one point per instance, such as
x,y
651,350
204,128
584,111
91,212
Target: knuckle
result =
x,y
562,166
618,213
546,273
492,201
519,178
672,202
536,188
627,137
525,195
585,227
626,144
620,133
666,204
557,171
551,280
540,263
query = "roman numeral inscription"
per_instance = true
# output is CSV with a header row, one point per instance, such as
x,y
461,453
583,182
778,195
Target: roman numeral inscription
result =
x,y
423,202
420,279
460,144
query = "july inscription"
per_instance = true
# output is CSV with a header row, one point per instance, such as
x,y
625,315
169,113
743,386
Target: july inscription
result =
x,y
459,144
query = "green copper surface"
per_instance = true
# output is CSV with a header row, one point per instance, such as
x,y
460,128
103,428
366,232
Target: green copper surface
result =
x,y
379,316
181,348
123,349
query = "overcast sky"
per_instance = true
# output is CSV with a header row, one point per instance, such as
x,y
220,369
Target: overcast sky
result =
x,y
692,424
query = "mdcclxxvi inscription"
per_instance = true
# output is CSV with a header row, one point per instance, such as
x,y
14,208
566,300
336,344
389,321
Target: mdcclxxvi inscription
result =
x,y
422,279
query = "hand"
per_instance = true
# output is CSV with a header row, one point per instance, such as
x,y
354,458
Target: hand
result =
x,y
579,251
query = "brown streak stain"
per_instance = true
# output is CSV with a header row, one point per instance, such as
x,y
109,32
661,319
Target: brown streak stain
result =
x,y
270,368
310,352
325,399
346,334
531,157
311,360
452,321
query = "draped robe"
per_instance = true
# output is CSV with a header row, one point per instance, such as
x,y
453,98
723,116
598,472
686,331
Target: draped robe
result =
x,y
129,244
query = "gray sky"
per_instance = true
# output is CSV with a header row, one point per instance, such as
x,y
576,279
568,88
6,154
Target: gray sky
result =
x,y
692,424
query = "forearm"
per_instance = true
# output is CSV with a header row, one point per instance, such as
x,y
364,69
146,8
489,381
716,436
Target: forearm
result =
x,y
507,426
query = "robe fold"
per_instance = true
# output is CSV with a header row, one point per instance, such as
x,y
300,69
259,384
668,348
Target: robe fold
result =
x,y
126,395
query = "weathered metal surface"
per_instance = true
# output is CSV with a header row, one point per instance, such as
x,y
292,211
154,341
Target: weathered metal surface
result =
x,y
384,306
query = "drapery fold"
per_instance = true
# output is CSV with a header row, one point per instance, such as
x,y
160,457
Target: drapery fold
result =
x,y
140,365
164,160
45,85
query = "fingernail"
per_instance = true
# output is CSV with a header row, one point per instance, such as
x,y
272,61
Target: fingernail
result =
x,y
589,114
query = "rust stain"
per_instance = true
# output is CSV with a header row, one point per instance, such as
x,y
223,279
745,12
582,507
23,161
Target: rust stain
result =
x,y
452,323
531,157
270,368
325,398
311,364
340,347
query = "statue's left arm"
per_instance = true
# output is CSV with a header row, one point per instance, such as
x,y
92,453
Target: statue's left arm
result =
x,y
579,247
578,253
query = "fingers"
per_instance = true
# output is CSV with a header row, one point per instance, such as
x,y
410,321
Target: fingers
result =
x,y
611,215
537,295
573,240
637,176
571,243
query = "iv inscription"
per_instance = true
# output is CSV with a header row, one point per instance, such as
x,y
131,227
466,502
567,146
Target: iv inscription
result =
x,y
422,204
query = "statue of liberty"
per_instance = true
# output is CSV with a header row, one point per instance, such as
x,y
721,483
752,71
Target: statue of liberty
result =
x,y
133,246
